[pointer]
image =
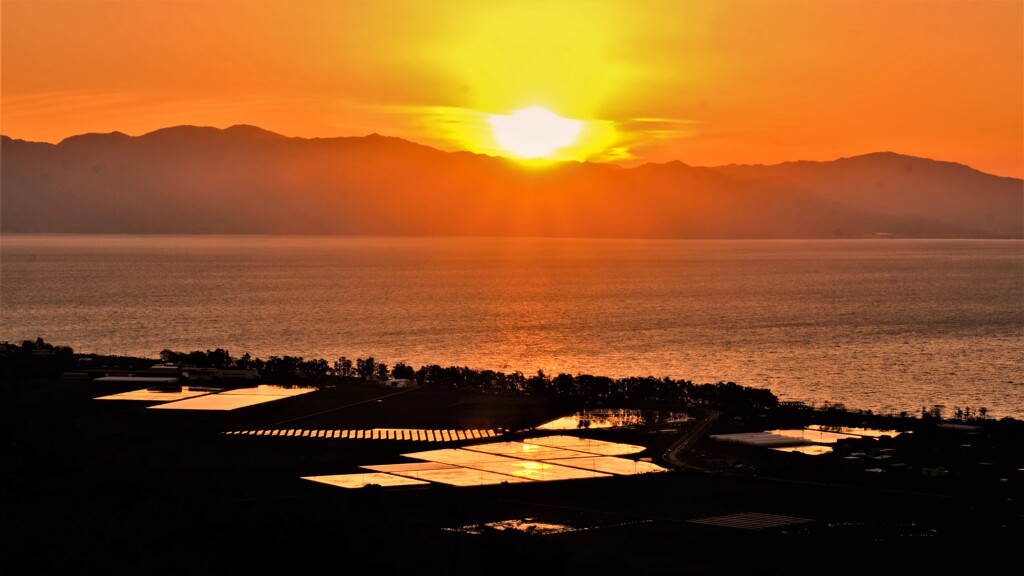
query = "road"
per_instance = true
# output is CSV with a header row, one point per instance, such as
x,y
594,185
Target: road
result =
x,y
696,432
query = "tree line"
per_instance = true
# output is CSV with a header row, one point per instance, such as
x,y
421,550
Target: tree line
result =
x,y
38,358
288,369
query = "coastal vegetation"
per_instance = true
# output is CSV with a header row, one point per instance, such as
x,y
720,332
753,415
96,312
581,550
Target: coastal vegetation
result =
x,y
40,359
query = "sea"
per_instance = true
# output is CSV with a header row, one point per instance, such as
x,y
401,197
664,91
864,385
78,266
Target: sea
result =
x,y
888,325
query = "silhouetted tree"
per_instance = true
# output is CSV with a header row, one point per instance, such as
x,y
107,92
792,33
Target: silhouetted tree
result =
x,y
314,369
366,368
539,383
282,369
245,361
343,367
516,382
218,358
564,385
403,371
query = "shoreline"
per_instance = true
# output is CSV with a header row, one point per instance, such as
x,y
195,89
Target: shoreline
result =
x,y
115,486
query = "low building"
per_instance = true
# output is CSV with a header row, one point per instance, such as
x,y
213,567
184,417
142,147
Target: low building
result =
x,y
148,381
239,374
167,369
197,373
194,373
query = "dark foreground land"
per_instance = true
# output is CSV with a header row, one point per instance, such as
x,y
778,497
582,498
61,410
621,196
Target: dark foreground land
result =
x,y
111,487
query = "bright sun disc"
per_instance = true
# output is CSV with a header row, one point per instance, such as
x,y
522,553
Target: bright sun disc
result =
x,y
534,132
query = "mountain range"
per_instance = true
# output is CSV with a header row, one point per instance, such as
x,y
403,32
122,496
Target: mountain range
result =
x,y
243,179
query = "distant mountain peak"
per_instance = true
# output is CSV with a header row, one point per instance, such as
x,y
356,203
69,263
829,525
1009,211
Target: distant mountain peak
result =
x,y
183,130
377,137
880,157
252,131
95,136
660,165
885,155
908,162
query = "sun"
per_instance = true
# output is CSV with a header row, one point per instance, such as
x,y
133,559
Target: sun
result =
x,y
534,132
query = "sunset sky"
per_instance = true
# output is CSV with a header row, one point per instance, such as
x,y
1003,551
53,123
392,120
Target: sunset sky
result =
x,y
707,83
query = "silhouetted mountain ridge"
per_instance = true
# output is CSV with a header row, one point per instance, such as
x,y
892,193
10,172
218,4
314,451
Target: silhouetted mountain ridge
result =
x,y
244,179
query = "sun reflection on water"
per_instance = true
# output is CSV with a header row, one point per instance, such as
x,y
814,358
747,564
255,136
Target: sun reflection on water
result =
x,y
614,418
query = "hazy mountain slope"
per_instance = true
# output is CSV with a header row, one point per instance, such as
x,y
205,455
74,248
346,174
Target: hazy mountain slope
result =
x,y
899,185
244,179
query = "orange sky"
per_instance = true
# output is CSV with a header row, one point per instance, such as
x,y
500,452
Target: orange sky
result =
x,y
707,83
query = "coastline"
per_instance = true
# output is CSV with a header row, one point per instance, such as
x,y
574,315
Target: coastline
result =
x,y
882,325
104,479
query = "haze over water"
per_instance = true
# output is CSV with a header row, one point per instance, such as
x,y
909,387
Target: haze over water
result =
x,y
887,325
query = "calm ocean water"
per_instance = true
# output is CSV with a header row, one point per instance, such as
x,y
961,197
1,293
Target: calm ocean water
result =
x,y
886,325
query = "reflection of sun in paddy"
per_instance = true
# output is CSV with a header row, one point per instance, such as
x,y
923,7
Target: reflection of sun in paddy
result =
x,y
567,458
236,398
528,525
179,397
812,441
